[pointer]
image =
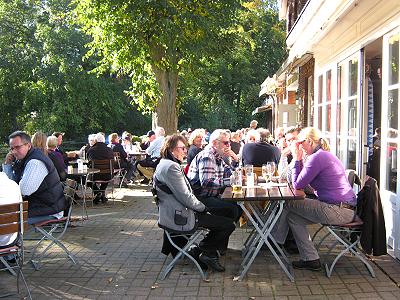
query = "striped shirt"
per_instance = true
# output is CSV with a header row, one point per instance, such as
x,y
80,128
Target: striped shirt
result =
x,y
208,173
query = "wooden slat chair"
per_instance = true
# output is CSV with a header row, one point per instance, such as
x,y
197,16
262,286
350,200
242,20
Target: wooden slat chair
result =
x,y
13,219
53,230
119,172
106,167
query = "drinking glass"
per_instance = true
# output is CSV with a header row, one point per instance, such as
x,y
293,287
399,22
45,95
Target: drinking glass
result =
x,y
236,181
264,172
270,166
248,169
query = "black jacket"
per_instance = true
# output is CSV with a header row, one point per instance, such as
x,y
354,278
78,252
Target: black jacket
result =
x,y
259,153
369,209
49,197
100,151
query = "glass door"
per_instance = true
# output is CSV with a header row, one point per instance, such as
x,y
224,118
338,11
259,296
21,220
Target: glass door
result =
x,y
390,185
348,111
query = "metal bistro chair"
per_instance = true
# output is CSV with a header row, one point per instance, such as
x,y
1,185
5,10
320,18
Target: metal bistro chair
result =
x,y
191,238
119,172
13,219
53,230
346,235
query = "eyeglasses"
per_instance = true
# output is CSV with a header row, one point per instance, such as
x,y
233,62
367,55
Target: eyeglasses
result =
x,y
226,143
17,147
181,147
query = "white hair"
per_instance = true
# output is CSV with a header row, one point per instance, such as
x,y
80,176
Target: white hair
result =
x,y
100,138
217,133
253,133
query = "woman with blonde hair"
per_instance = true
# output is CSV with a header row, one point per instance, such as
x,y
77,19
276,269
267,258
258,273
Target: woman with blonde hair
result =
x,y
335,201
39,140
196,143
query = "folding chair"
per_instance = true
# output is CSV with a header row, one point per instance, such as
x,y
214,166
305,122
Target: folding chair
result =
x,y
119,172
70,185
53,230
13,219
346,235
106,167
192,239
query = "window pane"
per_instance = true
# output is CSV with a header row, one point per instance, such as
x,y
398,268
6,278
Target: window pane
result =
x,y
353,78
394,59
328,86
393,99
328,118
392,136
339,82
320,117
320,89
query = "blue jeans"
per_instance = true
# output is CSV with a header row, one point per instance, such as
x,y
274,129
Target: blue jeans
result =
x,y
34,220
235,210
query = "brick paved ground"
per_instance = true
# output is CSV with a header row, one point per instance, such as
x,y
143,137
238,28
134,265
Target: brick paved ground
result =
x,y
118,250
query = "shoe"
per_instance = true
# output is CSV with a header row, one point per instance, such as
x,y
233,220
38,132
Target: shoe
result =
x,y
104,199
97,199
124,184
212,262
312,265
195,252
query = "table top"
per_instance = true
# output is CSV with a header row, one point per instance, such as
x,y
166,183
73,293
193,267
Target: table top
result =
x,y
83,172
261,193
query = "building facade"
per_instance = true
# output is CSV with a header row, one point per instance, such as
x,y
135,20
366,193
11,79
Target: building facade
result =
x,y
346,53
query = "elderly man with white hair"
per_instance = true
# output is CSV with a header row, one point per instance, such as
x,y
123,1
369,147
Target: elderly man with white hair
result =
x,y
209,172
100,150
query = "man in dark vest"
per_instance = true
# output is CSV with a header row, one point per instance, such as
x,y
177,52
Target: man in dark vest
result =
x,y
37,178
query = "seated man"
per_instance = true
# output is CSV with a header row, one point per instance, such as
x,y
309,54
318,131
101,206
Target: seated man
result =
x,y
100,151
177,201
261,151
37,178
209,173
153,153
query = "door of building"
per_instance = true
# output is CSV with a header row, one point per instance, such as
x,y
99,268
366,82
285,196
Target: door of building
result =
x,y
390,185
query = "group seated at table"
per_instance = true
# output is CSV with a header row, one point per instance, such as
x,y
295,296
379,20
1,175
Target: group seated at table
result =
x,y
181,211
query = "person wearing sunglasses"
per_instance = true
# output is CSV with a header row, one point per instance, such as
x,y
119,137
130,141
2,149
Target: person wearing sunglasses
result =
x,y
180,210
37,178
334,202
210,170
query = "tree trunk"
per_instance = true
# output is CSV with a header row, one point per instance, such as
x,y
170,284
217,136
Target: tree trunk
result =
x,y
166,113
167,79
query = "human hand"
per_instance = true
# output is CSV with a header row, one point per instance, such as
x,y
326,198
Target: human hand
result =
x,y
10,158
297,150
229,153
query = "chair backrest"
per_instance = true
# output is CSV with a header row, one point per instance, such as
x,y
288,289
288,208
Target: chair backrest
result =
x,y
117,160
106,166
13,218
352,177
257,171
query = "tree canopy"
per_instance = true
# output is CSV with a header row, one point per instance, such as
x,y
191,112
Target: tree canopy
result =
x,y
154,41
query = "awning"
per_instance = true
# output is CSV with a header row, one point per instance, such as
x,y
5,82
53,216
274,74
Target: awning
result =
x,y
288,65
262,109
268,87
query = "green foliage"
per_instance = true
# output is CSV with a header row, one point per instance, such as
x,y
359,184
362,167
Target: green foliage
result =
x,y
45,85
223,92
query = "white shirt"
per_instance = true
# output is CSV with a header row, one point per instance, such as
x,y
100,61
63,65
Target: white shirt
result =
x,y
9,193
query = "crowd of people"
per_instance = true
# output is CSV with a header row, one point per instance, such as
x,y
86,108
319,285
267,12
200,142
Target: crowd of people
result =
x,y
191,169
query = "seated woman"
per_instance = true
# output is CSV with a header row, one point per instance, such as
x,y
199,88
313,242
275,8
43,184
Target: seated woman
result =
x,y
176,196
335,200
56,157
196,144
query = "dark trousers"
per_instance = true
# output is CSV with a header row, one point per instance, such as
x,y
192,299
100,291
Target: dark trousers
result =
x,y
220,224
233,209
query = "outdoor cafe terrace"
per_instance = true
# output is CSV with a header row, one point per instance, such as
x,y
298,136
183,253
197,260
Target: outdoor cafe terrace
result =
x,y
118,257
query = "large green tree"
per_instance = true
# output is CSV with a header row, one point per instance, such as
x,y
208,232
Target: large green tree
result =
x,y
154,41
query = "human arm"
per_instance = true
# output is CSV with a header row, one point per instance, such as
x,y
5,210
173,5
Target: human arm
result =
x,y
175,180
33,176
304,174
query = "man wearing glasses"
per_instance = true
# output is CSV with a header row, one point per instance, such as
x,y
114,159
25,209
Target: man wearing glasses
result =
x,y
37,178
210,170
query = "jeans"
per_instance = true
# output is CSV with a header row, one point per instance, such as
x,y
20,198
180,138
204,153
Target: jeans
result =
x,y
34,220
214,202
297,214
